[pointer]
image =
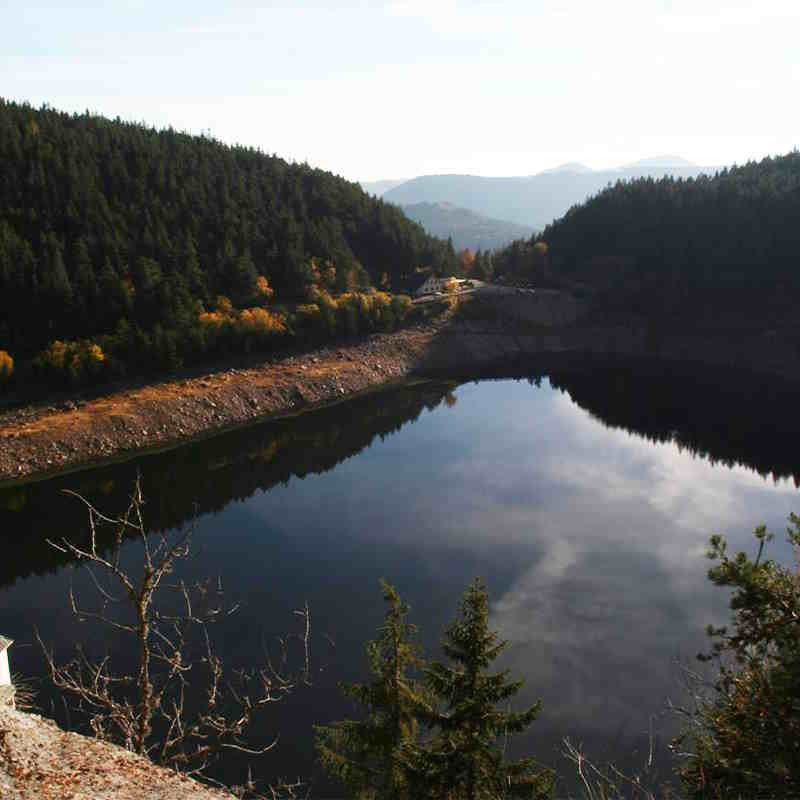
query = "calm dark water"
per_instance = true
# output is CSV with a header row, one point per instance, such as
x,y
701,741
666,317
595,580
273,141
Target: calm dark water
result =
x,y
588,522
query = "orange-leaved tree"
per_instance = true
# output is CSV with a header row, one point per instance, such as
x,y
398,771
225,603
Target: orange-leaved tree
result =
x,y
263,289
6,367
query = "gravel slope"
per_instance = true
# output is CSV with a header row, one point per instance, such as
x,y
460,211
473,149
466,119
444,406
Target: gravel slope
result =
x,y
38,441
39,761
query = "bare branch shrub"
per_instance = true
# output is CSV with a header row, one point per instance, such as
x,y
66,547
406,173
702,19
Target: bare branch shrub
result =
x,y
24,693
607,782
179,706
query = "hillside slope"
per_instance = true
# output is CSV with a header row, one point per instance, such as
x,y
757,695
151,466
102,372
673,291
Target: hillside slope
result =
x,y
722,249
466,228
114,228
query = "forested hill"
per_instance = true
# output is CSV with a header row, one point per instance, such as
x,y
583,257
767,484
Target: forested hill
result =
x,y
467,229
109,227
727,244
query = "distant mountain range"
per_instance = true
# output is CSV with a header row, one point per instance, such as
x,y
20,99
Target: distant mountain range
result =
x,y
533,201
378,188
467,228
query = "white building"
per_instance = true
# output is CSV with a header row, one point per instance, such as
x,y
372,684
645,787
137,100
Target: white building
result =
x,y
433,284
6,687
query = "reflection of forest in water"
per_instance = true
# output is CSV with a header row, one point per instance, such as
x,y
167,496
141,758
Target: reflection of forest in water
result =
x,y
723,416
202,477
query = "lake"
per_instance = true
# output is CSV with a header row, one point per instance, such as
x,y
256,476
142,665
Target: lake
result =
x,y
583,497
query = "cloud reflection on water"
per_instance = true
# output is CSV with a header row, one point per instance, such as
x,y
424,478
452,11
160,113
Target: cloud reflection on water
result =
x,y
592,540
618,592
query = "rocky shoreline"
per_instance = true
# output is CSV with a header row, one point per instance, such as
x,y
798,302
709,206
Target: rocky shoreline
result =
x,y
37,442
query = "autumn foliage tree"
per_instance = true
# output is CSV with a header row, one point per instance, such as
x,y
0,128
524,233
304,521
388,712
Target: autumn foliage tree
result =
x,y
71,362
467,259
6,367
263,289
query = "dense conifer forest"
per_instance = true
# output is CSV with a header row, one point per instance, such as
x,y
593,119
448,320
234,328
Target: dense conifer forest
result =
x,y
125,248
723,246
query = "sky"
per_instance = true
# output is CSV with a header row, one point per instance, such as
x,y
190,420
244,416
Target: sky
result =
x,y
375,90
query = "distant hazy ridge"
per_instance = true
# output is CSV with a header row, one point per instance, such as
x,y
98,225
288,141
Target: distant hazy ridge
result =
x,y
467,228
533,201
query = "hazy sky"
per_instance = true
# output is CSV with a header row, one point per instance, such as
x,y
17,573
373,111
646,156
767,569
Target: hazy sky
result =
x,y
395,89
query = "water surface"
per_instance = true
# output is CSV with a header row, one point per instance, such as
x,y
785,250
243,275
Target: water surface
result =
x,y
589,527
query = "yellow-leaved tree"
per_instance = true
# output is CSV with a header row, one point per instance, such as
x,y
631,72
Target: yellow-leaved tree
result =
x,y
259,320
263,289
75,361
6,367
224,305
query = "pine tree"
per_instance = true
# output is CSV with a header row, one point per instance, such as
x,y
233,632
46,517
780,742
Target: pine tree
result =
x,y
743,734
372,756
465,759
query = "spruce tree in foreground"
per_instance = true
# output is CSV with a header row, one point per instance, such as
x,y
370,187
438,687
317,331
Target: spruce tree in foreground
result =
x,y
371,757
744,736
465,760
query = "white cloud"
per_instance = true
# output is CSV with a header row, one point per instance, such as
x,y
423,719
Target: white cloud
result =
x,y
724,18
438,86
